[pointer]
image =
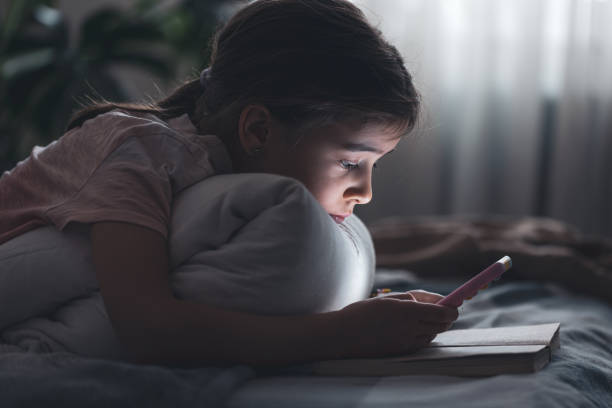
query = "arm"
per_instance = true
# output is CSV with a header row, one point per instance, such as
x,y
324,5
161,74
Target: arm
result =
x,y
131,264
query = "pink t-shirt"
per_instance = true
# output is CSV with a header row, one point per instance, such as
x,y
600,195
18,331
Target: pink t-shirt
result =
x,y
117,166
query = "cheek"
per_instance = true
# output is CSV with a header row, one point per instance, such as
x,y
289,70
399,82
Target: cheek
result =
x,y
309,173
325,191
320,177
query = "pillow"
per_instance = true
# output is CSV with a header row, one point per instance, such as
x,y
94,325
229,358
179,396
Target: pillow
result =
x,y
262,243
258,243
42,269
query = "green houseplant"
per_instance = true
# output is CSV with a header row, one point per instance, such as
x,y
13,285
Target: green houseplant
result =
x,y
44,76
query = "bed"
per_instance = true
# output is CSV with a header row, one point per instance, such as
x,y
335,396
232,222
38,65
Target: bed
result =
x,y
558,275
580,374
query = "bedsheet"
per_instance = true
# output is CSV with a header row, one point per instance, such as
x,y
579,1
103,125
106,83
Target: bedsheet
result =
x,y
580,374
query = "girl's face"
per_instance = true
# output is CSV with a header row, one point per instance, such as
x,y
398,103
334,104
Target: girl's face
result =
x,y
334,162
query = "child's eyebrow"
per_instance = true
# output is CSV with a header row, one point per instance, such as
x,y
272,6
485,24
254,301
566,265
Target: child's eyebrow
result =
x,y
362,147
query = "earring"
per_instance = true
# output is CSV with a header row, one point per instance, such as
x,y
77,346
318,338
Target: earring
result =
x,y
256,151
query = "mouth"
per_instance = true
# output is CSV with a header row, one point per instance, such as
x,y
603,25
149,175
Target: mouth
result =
x,y
339,218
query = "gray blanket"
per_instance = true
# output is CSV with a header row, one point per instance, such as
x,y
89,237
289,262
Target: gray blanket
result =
x,y
580,374
65,380
542,249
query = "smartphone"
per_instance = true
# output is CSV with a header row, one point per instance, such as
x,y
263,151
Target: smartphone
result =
x,y
480,281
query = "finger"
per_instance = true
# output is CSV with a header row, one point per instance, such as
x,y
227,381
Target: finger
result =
x,y
425,338
425,296
401,295
434,328
430,312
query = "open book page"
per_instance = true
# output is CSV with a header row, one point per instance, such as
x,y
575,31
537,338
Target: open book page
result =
x,y
539,334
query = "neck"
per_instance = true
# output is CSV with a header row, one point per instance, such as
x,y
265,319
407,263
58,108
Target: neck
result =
x,y
236,154
241,162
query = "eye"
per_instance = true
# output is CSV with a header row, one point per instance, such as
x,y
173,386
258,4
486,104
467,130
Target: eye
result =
x,y
348,165
352,166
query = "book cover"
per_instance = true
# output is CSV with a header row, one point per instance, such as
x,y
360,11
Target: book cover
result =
x,y
466,352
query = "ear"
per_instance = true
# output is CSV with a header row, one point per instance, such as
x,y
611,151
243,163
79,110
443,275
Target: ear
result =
x,y
254,127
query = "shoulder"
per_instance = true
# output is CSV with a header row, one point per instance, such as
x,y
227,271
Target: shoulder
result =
x,y
104,133
120,130
126,134
121,124
136,123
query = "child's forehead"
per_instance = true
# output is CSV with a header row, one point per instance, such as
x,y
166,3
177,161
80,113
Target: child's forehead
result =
x,y
352,134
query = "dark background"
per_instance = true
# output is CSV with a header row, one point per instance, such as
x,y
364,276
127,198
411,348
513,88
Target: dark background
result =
x,y
489,143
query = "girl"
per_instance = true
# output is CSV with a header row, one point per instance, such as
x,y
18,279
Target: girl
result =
x,y
301,88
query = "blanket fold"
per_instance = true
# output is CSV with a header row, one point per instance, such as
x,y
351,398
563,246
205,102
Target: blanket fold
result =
x,y
542,249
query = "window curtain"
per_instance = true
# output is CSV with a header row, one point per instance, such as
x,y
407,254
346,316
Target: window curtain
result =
x,y
517,110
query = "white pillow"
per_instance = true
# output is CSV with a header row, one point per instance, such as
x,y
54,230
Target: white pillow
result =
x,y
259,243
262,243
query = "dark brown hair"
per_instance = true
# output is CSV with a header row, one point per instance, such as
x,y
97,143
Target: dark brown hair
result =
x,y
310,62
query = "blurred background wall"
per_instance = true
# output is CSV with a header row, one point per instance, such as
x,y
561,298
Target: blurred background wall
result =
x,y
517,94
518,109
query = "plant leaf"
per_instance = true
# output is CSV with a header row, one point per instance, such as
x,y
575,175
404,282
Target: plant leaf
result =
x,y
26,62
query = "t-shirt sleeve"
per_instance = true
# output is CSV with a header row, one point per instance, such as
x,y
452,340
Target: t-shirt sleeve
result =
x,y
130,185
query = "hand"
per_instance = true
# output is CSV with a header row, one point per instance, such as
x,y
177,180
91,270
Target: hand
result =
x,y
417,295
391,324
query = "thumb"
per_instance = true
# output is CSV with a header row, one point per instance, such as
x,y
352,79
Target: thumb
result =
x,y
424,296
401,295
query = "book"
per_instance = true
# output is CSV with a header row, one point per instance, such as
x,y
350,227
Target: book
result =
x,y
466,352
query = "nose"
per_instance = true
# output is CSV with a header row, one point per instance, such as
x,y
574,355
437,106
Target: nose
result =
x,y
360,190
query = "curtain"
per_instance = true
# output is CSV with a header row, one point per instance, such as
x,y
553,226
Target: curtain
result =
x,y
517,110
